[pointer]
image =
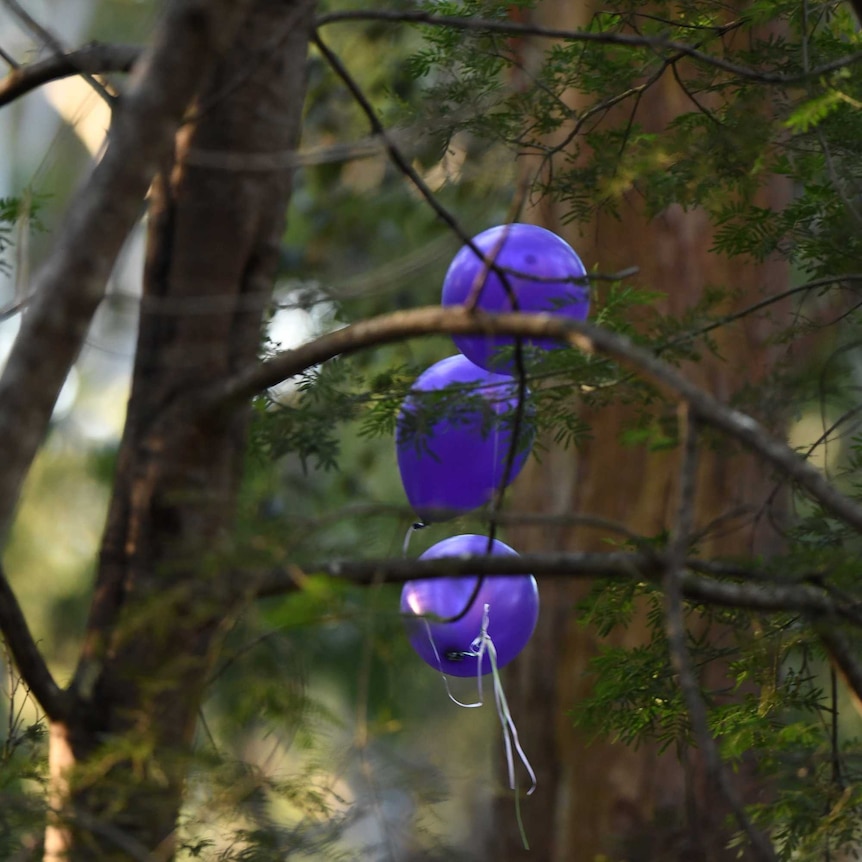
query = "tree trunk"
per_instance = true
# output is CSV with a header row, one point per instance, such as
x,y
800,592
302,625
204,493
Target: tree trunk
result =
x,y
598,800
216,217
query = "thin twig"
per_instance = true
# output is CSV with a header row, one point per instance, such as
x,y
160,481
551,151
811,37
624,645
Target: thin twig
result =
x,y
392,148
403,165
12,309
760,304
659,43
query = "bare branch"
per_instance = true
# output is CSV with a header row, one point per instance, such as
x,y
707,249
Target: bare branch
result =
x,y
70,286
92,59
400,325
29,661
699,580
49,39
657,43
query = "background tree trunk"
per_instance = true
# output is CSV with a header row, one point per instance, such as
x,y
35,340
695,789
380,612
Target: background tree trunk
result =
x,y
597,800
216,217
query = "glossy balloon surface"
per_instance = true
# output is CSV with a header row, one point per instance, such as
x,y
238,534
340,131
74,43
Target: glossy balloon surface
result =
x,y
452,453
547,264
513,609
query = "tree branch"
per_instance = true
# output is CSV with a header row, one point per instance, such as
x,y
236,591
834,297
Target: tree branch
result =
x,y
29,661
699,580
100,58
399,325
656,43
71,284
93,59
54,44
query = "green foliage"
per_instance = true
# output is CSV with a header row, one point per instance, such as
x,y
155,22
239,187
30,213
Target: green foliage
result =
x,y
23,773
16,212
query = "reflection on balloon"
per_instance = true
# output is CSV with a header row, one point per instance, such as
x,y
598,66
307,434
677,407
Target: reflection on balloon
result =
x,y
513,609
453,451
552,282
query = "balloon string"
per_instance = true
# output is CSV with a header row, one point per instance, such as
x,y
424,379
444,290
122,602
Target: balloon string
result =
x,y
452,697
510,731
418,525
480,645
470,601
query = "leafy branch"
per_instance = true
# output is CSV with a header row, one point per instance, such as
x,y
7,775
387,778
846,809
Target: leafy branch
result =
x,y
658,44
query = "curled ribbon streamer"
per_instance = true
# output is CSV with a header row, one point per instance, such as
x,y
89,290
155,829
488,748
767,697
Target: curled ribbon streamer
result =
x,y
446,679
481,644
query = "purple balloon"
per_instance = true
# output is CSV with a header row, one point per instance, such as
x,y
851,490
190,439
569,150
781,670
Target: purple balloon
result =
x,y
523,248
456,463
513,609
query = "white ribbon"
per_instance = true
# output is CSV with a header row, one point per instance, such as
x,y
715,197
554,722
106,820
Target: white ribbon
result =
x,y
418,525
481,644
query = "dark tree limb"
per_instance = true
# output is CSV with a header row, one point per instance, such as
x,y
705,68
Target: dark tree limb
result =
x,y
47,38
713,582
28,659
92,59
398,158
71,284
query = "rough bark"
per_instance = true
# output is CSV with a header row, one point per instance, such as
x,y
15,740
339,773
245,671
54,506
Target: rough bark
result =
x,y
70,286
216,217
599,800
